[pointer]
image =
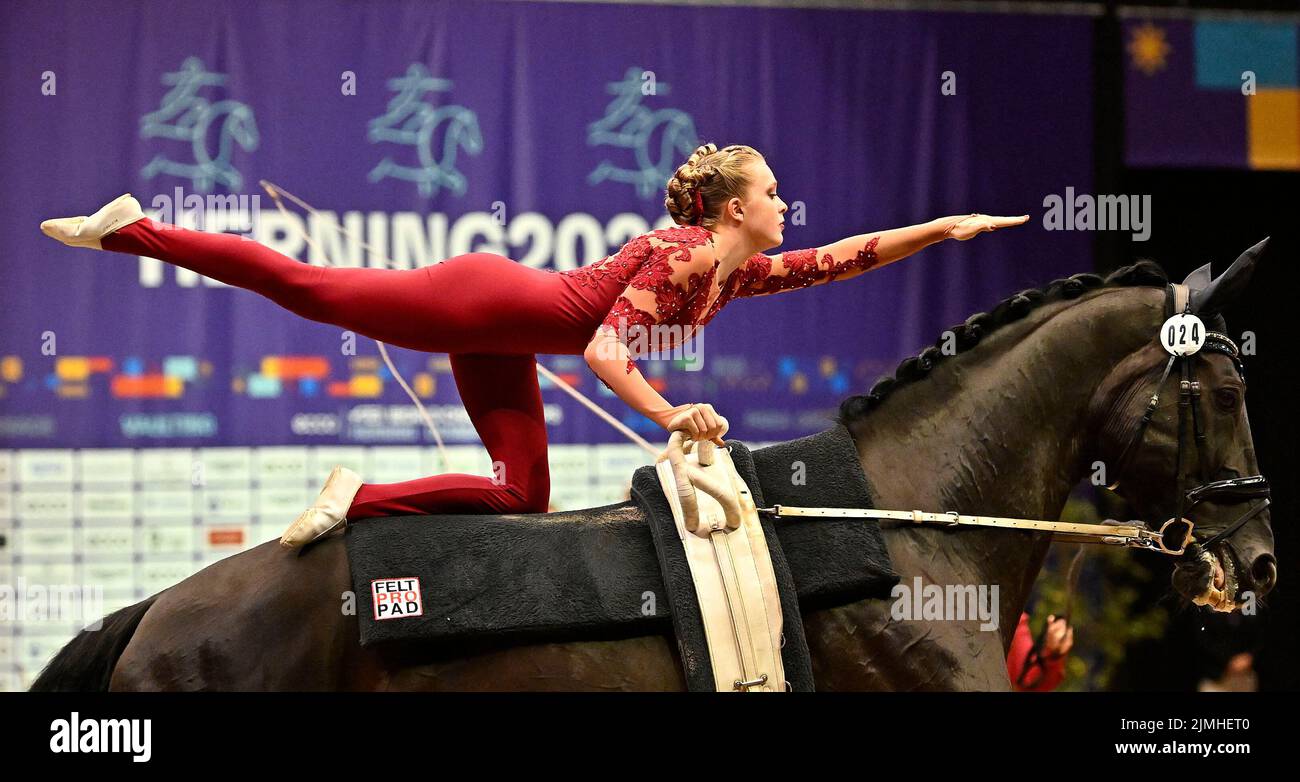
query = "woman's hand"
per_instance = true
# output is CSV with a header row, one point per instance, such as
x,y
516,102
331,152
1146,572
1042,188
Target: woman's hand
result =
x,y
964,227
1060,637
699,420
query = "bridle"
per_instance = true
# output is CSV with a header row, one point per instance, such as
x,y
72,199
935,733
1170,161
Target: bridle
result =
x,y
1176,536
1241,489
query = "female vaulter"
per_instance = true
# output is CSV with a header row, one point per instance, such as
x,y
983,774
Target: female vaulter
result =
x,y
492,315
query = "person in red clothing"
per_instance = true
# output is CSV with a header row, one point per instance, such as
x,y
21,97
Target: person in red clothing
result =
x,y
1040,671
493,315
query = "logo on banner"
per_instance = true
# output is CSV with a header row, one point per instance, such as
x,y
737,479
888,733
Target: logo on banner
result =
x,y
629,125
396,598
411,121
187,116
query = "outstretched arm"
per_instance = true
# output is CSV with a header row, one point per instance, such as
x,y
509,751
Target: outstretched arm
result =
x,y
855,255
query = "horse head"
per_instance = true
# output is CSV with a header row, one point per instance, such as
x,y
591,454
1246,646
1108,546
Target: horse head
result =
x,y
1231,564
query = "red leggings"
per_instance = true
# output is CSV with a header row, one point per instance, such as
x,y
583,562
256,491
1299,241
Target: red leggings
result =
x,y
411,308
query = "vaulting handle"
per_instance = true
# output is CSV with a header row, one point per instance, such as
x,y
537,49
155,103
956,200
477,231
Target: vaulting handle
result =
x,y
689,477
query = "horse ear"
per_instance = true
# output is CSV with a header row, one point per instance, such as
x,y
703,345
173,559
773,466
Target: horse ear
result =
x,y
1199,279
1217,294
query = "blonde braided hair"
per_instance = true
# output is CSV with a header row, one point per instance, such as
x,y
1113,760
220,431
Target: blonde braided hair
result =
x,y
708,179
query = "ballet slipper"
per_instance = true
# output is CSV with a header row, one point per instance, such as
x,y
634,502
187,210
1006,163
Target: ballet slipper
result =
x,y
329,511
88,231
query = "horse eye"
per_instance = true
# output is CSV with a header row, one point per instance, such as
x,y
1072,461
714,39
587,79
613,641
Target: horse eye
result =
x,y
1226,399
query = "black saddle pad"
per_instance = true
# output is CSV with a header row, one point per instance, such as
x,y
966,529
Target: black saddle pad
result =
x,y
462,580
834,561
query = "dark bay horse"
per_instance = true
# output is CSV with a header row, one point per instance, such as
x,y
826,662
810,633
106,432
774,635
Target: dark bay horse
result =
x,y
1032,397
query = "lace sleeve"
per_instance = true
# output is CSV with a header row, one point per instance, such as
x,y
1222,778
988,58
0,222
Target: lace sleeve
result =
x,y
765,274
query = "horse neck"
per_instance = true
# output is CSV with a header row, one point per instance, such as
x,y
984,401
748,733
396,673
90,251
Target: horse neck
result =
x,y
1003,428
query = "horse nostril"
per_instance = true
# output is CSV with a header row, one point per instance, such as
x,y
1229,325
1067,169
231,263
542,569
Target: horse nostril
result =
x,y
1264,573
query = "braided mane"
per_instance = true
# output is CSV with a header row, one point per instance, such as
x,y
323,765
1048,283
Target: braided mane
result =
x,y
969,333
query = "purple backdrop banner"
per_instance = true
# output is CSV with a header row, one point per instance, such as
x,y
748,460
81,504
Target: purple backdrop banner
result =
x,y
544,132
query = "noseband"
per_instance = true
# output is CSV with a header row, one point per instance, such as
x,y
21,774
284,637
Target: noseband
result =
x,y
1242,489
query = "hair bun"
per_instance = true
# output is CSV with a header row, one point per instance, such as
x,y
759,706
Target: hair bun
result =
x,y
701,152
706,179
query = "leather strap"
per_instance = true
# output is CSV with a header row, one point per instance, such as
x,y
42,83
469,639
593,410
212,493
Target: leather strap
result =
x,y
1129,535
1182,295
733,576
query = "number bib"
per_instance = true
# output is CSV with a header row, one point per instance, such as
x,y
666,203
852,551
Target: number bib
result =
x,y
1183,334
